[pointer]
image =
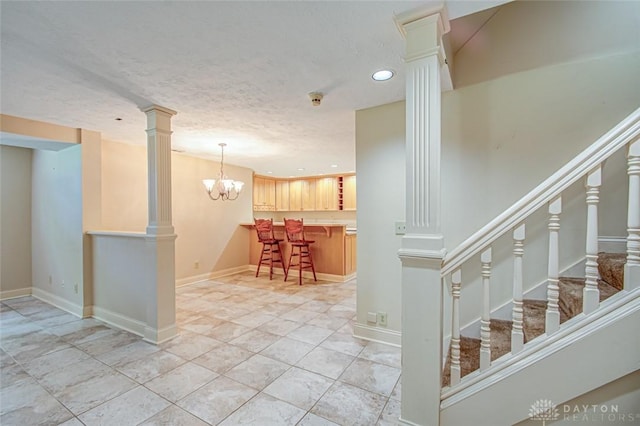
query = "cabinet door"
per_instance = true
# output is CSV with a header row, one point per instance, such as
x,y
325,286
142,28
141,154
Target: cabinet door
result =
x,y
349,193
309,194
302,195
327,193
264,194
282,195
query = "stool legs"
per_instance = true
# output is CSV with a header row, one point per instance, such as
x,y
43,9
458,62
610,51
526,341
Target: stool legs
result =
x,y
304,261
269,250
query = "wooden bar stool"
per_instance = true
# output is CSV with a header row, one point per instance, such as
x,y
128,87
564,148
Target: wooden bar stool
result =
x,y
270,246
299,248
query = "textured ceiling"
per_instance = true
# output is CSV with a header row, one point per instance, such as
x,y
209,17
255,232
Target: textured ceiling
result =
x,y
237,72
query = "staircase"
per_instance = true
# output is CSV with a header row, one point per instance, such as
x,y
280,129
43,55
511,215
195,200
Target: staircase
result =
x,y
584,331
611,269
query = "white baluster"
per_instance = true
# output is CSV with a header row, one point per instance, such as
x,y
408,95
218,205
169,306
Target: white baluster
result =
x,y
456,282
517,334
552,322
632,267
591,293
485,322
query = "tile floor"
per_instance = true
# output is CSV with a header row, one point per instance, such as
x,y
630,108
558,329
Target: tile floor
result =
x,y
250,351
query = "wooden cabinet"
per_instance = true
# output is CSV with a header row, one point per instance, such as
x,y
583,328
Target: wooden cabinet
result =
x,y
282,196
302,195
350,250
264,194
349,192
327,193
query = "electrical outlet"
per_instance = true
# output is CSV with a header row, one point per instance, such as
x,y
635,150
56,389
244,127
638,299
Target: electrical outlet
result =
x,y
75,288
401,228
50,280
196,265
382,318
62,284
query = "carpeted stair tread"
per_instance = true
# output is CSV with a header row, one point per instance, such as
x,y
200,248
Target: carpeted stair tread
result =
x,y
611,268
571,293
469,359
533,318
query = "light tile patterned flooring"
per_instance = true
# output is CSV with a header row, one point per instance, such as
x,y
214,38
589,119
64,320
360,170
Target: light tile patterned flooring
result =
x,y
250,351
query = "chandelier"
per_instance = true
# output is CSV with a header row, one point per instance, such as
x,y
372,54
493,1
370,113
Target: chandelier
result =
x,y
223,188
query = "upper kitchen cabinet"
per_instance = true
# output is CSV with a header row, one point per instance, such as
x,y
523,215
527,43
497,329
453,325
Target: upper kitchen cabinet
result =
x,y
327,193
282,196
349,192
264,194
302,194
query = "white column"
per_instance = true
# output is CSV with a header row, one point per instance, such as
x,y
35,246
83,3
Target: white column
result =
x,y
161,308
517,333
159,169
632,267
591,293
422,247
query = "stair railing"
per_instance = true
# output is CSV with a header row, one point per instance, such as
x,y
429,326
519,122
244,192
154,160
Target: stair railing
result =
x,y
587,164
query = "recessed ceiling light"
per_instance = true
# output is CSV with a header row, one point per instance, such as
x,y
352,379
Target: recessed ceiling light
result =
x,y
382,75
334,165
269,173
300,169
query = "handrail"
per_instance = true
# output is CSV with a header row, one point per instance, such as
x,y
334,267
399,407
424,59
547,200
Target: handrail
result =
x,y
623,133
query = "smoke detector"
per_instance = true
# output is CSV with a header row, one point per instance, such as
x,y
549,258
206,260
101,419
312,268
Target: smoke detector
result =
x,y
316,98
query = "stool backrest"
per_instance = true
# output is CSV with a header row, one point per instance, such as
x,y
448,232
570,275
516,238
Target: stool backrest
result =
x,y
294,229
264,228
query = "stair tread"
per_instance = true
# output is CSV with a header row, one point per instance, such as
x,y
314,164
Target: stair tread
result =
x,y
570,301
611,268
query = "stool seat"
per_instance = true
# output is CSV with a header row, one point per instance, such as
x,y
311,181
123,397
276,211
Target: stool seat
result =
x,y
300,248
271,252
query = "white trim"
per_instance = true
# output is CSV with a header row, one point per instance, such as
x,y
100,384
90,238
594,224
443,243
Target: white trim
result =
x,y
211,275
158,336
377,334
611,244
407,422
307,275
12,294
58,302
117,234
120,321
623,133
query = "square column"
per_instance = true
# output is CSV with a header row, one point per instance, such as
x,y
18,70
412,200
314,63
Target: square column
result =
x,y
160,239
422,249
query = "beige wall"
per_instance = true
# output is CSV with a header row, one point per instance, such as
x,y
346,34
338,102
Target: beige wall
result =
x,y
209,236
15,217
380,167
57,250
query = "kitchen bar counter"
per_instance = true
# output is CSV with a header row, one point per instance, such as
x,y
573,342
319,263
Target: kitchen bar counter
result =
x,y
333,251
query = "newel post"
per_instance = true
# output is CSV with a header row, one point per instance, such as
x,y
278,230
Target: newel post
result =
x,y
422,250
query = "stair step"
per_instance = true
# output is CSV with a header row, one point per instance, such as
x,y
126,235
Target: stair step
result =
x,y
611,268
570,302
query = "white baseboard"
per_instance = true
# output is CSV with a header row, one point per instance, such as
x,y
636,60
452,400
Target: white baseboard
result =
x,y
212,275
307,274
377,334
119,321
612,244
162,335
60,302
12,294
